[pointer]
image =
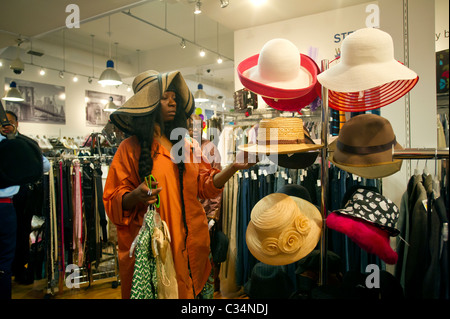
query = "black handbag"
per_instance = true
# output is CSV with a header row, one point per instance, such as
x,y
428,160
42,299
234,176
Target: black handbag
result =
x,y
20,163
219,246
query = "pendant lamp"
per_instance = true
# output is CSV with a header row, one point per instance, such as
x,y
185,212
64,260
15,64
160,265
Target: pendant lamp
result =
x,y
110,76
200,95
110,106
13,93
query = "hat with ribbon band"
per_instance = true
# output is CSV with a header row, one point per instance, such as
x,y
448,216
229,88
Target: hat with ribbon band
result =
x,y
367,75
148,88
364,147
281,135
280,71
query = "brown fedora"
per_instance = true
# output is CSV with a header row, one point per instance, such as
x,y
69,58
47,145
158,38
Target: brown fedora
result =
x,y
148,87
364,147
281,135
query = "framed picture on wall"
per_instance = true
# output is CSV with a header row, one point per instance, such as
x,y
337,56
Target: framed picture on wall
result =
x,y
44,103
95,107
442,71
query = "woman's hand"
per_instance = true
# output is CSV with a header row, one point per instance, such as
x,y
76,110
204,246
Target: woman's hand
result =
x,y
245,160
142,194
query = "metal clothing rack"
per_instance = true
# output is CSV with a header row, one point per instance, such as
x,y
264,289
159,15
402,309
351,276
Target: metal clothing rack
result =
x,y
420,153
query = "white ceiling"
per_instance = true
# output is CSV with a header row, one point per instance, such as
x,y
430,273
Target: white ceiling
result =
x,y
42,26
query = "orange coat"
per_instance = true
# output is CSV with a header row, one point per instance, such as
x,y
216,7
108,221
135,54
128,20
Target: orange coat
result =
x,y
191,254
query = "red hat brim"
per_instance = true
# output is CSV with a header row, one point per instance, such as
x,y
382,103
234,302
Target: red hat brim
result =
x,y
366,235
275,92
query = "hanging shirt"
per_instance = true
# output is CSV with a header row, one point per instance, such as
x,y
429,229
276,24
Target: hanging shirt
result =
x,y
191,254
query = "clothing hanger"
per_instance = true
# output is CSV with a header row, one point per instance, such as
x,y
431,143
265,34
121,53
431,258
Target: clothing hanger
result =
x,y
416,170
425,169
436,186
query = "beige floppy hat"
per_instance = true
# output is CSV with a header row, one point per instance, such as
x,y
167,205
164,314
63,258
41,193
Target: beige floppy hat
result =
x,y
148,87
280,135
283,229
364,147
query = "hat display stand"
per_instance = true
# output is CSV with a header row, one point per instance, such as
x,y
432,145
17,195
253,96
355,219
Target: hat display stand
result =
x,y
324,181
406,153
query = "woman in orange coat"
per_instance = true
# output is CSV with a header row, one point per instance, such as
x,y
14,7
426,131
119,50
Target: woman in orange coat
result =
x,y
153,117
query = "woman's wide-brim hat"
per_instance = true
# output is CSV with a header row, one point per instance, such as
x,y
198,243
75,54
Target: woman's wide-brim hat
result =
x,y
364,147
148,87
281,135
280,71
367,75
283,229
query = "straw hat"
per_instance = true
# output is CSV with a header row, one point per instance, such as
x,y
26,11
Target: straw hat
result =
x,y
148,87
367,75
280,135
279,71
364,147
283,229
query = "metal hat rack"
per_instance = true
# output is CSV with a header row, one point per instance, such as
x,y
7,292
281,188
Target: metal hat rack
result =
x,y
408,153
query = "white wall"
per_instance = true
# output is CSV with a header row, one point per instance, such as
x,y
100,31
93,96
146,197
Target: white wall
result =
x,y
322,31
441,24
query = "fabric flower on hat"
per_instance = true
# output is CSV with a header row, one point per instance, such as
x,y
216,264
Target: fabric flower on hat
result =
x,y
283,229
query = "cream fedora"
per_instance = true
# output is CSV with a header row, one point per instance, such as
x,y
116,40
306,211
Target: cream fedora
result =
x,y
148,87
367,75
283,229
281,135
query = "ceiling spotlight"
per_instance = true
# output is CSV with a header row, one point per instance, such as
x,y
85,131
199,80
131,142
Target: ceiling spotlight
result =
x,y
61,74
224,3
183,44
42,72
219,60
202,53
75,78
259,2
89,80
198,7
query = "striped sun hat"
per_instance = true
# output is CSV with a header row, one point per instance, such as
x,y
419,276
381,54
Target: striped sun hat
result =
x,y
148,87
367,76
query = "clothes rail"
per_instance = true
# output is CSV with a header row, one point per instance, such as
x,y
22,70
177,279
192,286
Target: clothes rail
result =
x,y
420,153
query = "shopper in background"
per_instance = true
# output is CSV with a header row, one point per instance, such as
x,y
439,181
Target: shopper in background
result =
x,y
212,206
153,116
9,221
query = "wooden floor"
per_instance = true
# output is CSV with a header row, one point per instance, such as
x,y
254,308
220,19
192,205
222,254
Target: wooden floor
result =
x,y
37,290
98,290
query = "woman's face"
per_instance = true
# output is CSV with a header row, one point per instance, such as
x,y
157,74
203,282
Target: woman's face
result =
x,y
168,106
